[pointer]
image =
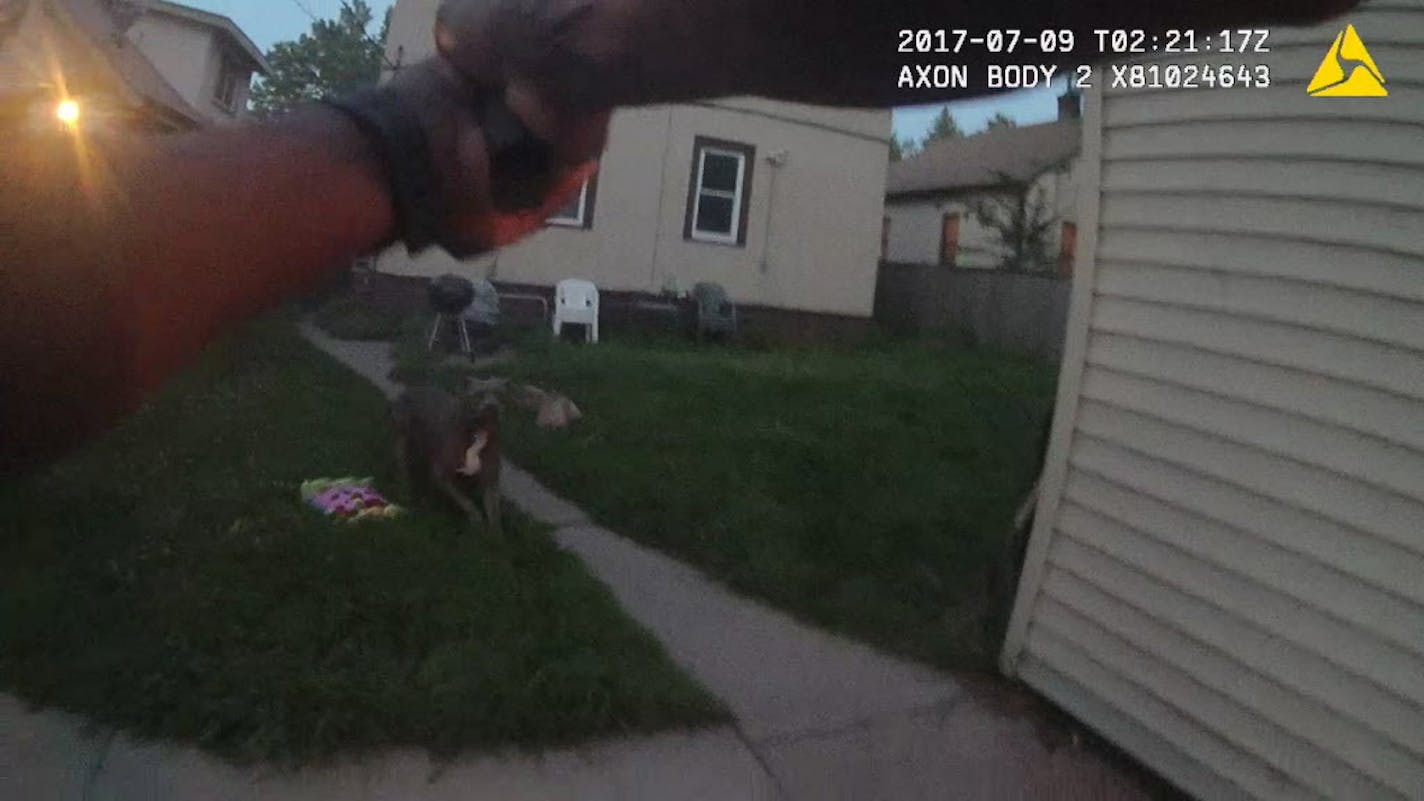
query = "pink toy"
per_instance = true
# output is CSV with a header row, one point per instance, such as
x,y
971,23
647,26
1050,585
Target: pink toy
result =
x,y
348,499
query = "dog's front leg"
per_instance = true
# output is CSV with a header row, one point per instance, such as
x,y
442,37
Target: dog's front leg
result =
x,y
492,513
466,505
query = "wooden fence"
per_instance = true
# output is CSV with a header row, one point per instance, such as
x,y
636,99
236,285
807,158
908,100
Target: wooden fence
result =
x,y
1020,312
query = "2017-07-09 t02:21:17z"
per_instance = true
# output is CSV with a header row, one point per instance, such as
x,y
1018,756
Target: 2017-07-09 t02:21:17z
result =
x,y
1110,42
1103,41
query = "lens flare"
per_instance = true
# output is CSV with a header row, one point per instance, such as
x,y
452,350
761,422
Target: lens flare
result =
x,y
68,112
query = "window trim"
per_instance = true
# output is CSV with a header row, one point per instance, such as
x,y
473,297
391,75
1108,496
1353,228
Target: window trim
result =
x,y
587,195
741,198
227,68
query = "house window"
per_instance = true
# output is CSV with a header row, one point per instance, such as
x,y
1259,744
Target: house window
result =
x,y
578,212
718,192
949,239
229,81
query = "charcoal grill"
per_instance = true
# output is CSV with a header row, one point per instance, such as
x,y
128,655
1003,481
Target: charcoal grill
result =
x,y
450,296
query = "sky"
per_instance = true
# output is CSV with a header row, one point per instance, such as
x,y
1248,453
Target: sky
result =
x,y
272,21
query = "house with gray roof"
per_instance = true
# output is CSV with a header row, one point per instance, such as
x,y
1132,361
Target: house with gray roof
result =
x,y
206,57
935,200
122,64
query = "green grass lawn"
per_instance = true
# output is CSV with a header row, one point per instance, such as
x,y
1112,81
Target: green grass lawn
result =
x,y
169,581
346,316
870,491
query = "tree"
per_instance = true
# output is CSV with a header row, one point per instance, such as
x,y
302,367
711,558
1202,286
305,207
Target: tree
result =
x,y
1022,222
1000,120
943,127
336,57
901,149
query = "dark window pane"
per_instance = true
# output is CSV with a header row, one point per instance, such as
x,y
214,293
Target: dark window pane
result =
x,y
720,172
714,215
226,91
570,210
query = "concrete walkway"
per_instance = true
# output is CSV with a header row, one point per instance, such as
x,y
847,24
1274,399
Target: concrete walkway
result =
x,y
817,716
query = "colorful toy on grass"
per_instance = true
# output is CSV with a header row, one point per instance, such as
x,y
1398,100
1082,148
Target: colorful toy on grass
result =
x,y
348,499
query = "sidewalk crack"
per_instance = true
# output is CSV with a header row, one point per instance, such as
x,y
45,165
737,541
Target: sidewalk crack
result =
x,y
751,747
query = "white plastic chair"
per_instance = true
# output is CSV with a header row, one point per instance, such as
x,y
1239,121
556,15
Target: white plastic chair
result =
x,y
576,301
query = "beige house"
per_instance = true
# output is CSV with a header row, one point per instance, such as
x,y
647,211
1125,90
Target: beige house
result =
x,y
778,202
130,64
205,56
1224,577
931,197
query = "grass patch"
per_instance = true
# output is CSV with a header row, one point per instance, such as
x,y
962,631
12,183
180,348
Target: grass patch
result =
x,y
348,317
168,580
870,491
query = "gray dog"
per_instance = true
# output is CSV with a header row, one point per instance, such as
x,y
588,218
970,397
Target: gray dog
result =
x,y
453,441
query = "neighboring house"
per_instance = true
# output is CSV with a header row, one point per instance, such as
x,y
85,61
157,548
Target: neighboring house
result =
x,y
58,50
205,56
778,202
931,197
1225,573
137,65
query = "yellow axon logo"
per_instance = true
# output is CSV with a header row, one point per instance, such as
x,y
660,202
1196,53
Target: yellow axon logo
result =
x,y
1347,70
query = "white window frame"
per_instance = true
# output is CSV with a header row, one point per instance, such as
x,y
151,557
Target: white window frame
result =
x,y
577,221
735,196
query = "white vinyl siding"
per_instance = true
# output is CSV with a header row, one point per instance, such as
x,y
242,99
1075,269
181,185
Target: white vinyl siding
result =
x,y
1226,576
